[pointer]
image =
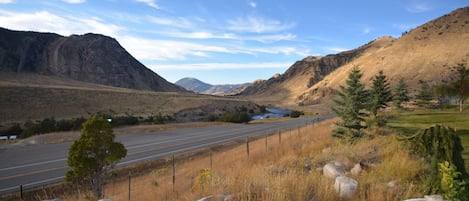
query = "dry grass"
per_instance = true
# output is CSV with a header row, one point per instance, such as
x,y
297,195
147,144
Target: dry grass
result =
x,y
286,171
35,97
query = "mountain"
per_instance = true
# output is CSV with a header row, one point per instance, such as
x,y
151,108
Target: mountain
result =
x,y
425,53
89,58
195,85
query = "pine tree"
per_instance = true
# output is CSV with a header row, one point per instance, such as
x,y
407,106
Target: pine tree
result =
x,y
424,95
93,154
380,93
401,93
350,107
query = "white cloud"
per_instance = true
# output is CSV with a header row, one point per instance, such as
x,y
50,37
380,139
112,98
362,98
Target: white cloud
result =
x,y
218,66
150,3
168,50
231,36
258,25
6,1
179,22
419,7
74,1
366,30
336,49
252,4
44,21
404,27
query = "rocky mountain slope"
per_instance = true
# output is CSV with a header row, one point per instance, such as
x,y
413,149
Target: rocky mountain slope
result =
x,y
425,53
89,58
195,85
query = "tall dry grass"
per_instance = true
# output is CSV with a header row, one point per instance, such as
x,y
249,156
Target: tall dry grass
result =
x,y
286,171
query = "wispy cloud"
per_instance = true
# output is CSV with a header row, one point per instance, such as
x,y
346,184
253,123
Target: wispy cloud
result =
x,y
258,25
336,49
6,1
268,38
219,66
179,22
404,27
45,21
252,4
419,7
366,30
150,3
74,1
168,50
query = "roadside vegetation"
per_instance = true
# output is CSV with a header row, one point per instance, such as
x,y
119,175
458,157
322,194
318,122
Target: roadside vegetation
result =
x,y
416,148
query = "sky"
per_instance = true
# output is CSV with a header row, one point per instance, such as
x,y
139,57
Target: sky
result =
x,y
226,41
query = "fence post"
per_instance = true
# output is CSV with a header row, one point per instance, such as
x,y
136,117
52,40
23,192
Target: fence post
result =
x,y
279,137
174,173
129,186
21,191
247,145
266,149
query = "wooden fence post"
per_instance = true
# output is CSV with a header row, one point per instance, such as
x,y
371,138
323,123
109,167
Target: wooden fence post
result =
x,y
279,137
174,174
129,186
247,145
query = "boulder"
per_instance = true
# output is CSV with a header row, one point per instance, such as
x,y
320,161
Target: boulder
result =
x,y
346,187
427,198
219,197
332,171
433,198
357,168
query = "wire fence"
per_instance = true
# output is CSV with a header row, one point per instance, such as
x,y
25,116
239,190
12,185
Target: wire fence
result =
x,y
167,177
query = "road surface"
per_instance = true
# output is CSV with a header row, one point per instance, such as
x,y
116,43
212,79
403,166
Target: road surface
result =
x,y
37,165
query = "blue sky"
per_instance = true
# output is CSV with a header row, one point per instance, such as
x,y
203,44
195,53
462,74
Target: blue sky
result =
x,y
225,41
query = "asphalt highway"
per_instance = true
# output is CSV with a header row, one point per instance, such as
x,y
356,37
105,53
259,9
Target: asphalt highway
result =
x,y
38,165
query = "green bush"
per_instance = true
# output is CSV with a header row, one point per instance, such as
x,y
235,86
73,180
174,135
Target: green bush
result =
x,y
295,114
15,129
236,117
438,144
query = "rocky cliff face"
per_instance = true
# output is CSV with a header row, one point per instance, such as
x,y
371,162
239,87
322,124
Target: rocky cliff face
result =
x,y
90,58
313,68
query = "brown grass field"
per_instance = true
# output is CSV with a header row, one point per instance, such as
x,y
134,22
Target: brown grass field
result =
x,y
35,97
286,171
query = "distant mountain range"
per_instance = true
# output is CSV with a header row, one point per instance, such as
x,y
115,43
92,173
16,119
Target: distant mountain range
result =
x,y
427,52
195,85
91,58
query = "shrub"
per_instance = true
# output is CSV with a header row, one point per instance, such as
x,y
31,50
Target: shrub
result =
x,y
13,130
452,186
236,117
295,114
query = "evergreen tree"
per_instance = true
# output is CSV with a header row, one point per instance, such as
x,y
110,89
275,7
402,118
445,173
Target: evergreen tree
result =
x,y
424,95
401,93
380,93
461,84
350,107
93,154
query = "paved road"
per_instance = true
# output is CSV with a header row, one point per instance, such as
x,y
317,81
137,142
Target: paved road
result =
x,y
38,165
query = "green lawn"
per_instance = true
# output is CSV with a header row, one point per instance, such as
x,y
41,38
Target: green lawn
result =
x,y
408,122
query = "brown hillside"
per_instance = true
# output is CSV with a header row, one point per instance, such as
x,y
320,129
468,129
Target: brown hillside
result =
x,y
35,97
426,53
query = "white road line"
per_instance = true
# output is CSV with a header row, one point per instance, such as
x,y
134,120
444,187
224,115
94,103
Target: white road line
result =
x,y
32,164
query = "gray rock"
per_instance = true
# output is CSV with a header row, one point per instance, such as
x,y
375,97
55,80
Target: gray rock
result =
x,y
219,197
332,171
346,187
357,168
433,198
